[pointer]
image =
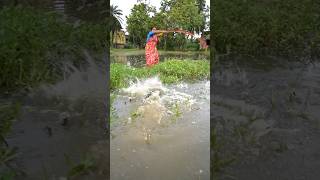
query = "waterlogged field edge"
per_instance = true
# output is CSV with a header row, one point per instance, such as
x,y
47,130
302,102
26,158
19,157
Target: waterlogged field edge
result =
x,y
170,71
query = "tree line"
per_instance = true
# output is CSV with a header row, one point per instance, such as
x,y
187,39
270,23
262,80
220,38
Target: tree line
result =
x,y
191,15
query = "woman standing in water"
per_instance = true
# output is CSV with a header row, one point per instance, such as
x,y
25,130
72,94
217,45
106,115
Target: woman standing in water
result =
x,y
152,55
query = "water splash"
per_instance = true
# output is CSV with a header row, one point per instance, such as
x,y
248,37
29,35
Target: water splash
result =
x,y
157,103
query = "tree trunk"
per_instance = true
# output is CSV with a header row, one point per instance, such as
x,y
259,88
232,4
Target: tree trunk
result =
x,y
165,43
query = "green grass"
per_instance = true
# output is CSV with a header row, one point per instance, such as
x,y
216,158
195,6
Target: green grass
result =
x,y
86,165
218,162
35,43
170,71
8,114
286,27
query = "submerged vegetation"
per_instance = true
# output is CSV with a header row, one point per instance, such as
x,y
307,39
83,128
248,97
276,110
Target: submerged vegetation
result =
x,y
170,71
85,166
8,114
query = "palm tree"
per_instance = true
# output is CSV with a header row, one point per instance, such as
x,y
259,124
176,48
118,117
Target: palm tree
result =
x,y
115,19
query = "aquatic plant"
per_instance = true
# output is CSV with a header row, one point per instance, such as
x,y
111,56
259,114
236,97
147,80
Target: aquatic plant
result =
x,y
113,114
170,71
8,114
7,155
218,163
176,112
85,166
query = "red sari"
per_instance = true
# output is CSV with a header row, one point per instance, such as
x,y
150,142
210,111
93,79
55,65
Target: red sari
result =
x,y
152,55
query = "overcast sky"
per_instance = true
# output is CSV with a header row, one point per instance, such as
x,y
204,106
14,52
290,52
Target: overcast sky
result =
x,y
127,5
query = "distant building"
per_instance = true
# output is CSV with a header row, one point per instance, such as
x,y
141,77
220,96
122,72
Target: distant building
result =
x,y
119,39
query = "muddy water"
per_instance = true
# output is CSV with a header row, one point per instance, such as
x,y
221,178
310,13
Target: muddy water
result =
x,y
60,126
179,146
266,117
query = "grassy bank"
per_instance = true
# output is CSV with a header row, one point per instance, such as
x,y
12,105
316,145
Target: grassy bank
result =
x,y
287,27
35,43
170,71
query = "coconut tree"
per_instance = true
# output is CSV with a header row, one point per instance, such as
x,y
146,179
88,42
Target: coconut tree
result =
x,y
115,19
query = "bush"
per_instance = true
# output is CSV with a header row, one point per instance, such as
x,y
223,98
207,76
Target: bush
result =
x,y
34,44
192,46
170,71
266,26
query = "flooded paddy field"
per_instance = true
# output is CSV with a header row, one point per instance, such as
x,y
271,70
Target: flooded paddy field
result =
x,y
266,119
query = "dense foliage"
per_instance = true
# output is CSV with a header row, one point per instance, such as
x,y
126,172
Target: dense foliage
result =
x,y
33,44
186,14
267,26
139,23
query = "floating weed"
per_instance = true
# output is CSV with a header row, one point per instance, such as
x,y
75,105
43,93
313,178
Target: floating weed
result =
x,y
7,154
85,166
241,131
8,175
218,163
8,113
303,115
176,112
134,115
252,140
113,114
279,147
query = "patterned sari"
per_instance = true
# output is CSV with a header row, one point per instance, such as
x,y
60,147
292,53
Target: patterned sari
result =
x,y
152,55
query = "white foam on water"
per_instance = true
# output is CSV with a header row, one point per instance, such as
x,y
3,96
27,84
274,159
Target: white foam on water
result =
x,y
143,88
157,101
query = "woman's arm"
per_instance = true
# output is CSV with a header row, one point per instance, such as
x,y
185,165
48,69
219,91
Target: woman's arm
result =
x,y
178,30
163,31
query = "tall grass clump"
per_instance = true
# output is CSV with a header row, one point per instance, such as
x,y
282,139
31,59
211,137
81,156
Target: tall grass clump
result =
x,y
8,114
286,27
35,43
170,71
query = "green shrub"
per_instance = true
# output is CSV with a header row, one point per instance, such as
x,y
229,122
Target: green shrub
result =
x,y
34,44
286,27
170,71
